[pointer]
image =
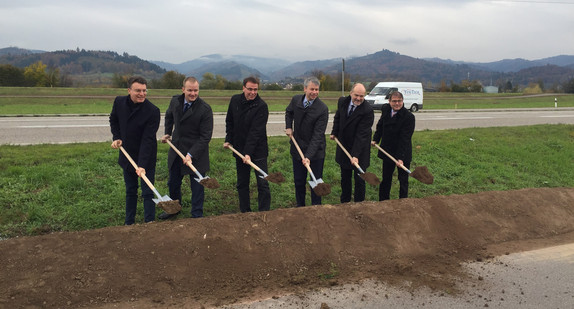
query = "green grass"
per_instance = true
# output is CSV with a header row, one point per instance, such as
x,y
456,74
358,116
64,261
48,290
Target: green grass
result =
x,y
46,188
22,101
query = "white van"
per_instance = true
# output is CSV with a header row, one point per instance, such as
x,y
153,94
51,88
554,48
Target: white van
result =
x,y
412,93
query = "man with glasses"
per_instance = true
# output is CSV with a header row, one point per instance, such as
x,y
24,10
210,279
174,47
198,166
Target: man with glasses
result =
x,y
394,131
246,131
134,122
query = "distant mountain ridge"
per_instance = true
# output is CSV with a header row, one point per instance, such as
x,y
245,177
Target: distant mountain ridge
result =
x,y
383,65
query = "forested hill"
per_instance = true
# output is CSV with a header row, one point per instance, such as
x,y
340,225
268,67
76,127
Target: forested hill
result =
x,y
85,62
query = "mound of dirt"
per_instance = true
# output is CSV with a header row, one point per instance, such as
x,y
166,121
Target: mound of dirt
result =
x,y
214,261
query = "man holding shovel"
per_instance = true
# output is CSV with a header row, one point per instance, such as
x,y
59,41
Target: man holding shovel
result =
x,y
189,126
246,131
134,122
394,131
306,120
352,126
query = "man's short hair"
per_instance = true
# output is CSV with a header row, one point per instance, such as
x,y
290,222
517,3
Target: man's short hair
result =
x,y
191,79
313,80
251,79
396,93
136,79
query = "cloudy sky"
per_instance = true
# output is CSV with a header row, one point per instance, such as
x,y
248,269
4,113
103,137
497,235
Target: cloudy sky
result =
x,y
180,30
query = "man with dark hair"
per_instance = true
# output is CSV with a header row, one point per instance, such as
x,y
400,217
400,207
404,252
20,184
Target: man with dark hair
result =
x,y
306,118
134,122
246,131
394,131
352,126
189,125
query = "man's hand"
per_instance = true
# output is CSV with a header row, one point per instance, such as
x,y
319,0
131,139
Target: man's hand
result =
x,y
116,144
400,163
187,159
373,143
306,161
165,138
246,159
289,132
332,137
354,161
226,145
140,171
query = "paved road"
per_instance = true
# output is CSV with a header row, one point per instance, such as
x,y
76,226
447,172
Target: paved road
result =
x,y
71,129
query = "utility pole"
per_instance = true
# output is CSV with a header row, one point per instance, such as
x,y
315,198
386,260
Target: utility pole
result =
x,y
343,79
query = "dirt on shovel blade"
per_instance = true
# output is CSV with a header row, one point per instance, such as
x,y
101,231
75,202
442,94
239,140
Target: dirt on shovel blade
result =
x,y
370,178
210,183
322,189
275,177
422,174
170,207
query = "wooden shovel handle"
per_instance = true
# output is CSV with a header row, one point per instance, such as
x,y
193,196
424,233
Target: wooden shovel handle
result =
x,y
346,152
300,153
181,155
391,157
136,167
243,157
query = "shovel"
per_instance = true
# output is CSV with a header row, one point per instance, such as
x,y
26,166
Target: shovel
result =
x,y
274,177
207,182
166,203
421,173
371,178
319,187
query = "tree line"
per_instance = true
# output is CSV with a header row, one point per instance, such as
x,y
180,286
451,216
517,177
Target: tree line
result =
x,y
39,74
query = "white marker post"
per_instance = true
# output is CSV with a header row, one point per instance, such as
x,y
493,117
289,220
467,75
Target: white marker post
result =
x,y
555,102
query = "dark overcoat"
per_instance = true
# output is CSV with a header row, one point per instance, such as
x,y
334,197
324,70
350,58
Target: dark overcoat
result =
x,y
308,125
395,134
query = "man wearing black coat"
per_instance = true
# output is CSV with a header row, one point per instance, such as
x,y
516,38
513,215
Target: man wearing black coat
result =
x,y
306,119
394,131
246,132
189,125
134,122
352,127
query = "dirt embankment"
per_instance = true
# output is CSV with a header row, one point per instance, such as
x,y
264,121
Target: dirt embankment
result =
x,y
220,260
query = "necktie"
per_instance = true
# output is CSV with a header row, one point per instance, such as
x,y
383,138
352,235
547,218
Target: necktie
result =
x,y
306,104
393,113
352,109
186,106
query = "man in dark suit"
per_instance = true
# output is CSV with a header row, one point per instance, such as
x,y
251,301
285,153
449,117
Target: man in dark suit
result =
x,y
134,122
394,131
189,125
246,131
352,126
306,119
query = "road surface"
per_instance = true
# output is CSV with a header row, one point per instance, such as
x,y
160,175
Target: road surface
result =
x,y
28,130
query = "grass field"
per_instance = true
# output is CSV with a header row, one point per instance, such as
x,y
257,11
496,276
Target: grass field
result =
x,y
46,188
22,101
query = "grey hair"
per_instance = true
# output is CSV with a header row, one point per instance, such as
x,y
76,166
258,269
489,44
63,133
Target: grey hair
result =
x,y
313,80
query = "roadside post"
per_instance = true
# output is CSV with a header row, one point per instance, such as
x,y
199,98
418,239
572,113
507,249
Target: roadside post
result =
x,y
555,102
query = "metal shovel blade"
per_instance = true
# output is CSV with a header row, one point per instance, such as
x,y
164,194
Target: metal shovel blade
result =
x,y
168,205
164,198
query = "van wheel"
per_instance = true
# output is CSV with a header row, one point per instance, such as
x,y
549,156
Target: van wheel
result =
x,y
414,108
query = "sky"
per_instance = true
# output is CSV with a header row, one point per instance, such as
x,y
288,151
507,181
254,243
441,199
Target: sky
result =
x,y
176,31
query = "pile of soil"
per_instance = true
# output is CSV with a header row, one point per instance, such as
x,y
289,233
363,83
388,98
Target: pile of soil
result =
x,y
221,260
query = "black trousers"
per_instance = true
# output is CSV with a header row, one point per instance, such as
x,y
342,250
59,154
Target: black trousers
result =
x,y
197,190
346,185
388,170
300,179
131,182
263,192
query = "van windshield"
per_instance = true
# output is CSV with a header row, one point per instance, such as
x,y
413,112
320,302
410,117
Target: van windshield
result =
x,y
379,91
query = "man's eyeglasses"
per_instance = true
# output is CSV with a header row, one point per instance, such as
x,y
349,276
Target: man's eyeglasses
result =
x,y
251,89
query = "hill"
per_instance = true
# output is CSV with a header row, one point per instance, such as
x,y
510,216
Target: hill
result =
x,y
94,68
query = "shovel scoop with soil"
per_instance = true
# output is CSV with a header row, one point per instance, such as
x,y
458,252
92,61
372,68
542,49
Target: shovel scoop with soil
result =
x,y
421,173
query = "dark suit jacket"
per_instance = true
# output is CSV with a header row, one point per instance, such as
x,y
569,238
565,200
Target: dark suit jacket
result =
x,y
190,132
309,125
354,132
246,126
396,134
136,125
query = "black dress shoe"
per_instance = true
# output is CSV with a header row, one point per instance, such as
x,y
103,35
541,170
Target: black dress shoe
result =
x,y
164,215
